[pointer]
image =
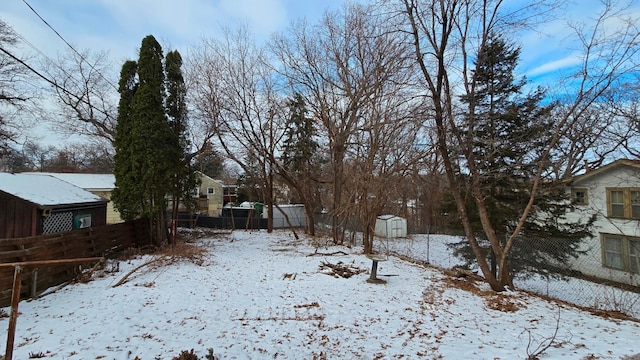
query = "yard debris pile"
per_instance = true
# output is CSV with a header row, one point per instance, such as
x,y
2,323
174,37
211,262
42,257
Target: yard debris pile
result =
x,y
340,269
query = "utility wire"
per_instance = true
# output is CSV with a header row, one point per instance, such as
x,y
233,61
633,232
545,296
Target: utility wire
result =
x,y
51,81
69,45
53,63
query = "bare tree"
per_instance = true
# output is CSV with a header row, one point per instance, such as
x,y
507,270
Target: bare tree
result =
x,y
446,35
86,96
600,105
16,89
349,69
234,90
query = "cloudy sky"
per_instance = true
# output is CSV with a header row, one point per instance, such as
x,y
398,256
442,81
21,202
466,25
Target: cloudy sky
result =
x,y
118,26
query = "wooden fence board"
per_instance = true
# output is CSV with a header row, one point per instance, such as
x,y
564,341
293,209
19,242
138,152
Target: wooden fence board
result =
x,y
92,242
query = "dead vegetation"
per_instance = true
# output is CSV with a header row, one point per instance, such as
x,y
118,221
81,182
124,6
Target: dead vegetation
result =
x,y
340,270
169,255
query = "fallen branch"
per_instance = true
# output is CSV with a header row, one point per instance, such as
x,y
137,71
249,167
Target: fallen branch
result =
x,y
545,343
50,291
126,276
86,276
328,254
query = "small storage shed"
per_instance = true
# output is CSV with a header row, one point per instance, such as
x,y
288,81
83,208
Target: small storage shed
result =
x,y
99,184
391,226
35,204
295,213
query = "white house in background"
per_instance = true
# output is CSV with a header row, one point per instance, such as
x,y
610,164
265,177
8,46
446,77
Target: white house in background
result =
x,y
99,184
613,193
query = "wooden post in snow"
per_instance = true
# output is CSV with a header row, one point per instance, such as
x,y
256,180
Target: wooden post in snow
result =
x,y
17,287
15,298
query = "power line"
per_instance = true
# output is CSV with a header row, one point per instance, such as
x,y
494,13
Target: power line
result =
x,y
69,45
63,89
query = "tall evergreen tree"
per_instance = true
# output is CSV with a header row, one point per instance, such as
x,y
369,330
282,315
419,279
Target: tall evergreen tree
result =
x,y
510,133
299,153
299,144
146,144
129,205
184,177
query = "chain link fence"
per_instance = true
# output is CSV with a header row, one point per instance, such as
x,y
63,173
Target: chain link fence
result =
x,y
583,281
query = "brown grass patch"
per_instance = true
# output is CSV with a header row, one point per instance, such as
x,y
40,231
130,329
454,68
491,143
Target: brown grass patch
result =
x,y
184,251
502,303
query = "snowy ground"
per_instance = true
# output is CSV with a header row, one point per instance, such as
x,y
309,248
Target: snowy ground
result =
x,y
433,250
254,295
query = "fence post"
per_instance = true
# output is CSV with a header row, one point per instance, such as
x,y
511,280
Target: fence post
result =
x,y
15,299
34,283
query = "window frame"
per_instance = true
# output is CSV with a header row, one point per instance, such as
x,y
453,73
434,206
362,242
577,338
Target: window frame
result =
x,y
574,197
626,257
627,205
211,191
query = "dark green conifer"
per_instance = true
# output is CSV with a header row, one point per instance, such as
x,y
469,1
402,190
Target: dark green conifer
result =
x,y
511,131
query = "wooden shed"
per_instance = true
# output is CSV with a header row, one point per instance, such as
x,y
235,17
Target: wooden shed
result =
x,y
35,204
99,184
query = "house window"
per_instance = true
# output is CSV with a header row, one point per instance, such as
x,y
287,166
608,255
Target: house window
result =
x,y
195,192
616,203
623,203
211,191
635,204
621,252
579,196
634,255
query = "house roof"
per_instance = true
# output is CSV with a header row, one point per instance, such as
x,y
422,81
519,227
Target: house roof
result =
x,y
388,217
45,190
606,168
90,182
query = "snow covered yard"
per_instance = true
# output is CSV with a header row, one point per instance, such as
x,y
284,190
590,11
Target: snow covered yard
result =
x,y
254,295
433,249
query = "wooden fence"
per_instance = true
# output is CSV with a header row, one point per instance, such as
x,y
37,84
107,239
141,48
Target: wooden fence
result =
x,y
103,241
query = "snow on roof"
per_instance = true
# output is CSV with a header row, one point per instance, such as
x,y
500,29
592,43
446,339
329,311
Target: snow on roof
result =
x,y
95,182
388,217
45,190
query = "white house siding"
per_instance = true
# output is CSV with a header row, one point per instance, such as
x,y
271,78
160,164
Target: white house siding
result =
x,y
592,263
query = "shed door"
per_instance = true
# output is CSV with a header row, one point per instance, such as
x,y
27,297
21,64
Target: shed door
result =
x,y
396,228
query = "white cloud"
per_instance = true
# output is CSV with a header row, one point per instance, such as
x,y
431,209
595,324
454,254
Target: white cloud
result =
x,y
264,16
554,66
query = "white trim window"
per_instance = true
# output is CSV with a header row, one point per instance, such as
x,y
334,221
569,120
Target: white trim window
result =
x,y
621,252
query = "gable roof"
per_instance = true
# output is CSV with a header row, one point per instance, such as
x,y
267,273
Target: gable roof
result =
x,y
90,182
45,190
606,168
